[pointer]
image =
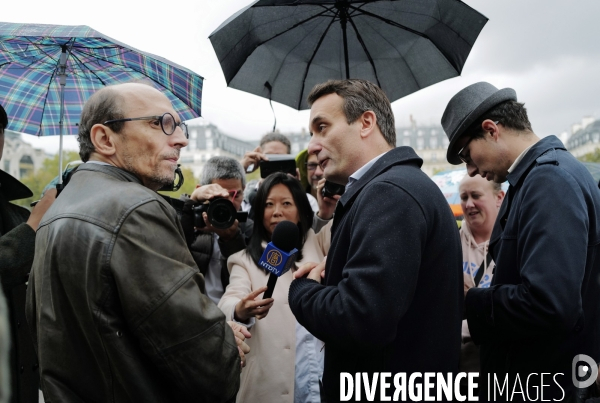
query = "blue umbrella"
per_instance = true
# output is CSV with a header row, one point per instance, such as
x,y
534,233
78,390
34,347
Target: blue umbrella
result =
x,y
47,72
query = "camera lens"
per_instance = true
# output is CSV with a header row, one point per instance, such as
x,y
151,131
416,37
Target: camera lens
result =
x,y
221,213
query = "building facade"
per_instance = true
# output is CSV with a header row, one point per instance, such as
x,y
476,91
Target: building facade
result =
x,y
206,141
584,137
20,158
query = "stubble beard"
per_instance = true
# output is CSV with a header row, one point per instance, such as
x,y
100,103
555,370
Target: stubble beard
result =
x,y
157,177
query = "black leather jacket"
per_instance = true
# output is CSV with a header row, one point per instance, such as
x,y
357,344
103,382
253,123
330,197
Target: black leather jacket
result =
x,y
116,303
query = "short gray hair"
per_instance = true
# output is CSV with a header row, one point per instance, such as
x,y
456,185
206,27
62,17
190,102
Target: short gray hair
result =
x,y
105,104
221,167
360,96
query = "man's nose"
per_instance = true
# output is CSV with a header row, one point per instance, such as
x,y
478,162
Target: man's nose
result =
x,y
178,138
313,146
469,202
471,170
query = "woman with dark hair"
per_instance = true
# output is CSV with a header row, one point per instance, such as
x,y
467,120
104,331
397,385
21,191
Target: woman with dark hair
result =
x,y
286,361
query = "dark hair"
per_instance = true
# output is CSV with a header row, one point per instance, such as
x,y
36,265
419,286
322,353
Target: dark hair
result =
x,y
103,105
511,114
267,138
259,232
360,96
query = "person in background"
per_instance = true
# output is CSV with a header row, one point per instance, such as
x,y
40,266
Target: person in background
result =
x,y
270,143
311,178
480,201
115,301
19,375
310,172
541,313
221,177
286,361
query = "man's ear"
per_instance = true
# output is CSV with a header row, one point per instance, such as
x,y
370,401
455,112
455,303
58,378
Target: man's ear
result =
x,y
368,123
490,128
103,140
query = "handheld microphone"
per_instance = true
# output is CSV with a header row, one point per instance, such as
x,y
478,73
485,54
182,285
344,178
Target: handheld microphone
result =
x,y
280,254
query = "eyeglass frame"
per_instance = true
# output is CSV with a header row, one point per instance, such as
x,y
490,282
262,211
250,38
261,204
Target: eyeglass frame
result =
x,y
463,158
160,118
316,165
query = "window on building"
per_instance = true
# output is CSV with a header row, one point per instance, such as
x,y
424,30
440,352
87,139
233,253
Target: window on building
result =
x,y
406,141
420,144
209,144
433,142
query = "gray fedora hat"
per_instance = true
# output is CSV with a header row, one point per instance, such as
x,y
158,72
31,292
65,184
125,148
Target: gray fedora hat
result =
x,y
466,107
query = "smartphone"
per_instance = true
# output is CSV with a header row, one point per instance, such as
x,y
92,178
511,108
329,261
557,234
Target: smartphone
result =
x,y
330,189
285,163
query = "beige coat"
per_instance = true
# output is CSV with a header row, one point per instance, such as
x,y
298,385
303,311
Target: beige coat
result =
x,y
473,256
269,373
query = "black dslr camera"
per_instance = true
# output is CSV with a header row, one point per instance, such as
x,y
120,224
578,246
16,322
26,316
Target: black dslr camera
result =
x,y
221,213
330,189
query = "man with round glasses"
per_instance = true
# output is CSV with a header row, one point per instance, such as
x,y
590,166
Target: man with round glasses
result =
x,y
116,303
542,310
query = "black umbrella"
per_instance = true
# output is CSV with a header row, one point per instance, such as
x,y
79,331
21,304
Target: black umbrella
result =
x,y
279,49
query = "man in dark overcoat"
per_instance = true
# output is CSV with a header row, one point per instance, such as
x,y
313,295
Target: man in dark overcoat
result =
x,y
391,299
541,315
17,242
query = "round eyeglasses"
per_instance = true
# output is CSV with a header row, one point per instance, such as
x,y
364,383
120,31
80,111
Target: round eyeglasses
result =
x,y
167,123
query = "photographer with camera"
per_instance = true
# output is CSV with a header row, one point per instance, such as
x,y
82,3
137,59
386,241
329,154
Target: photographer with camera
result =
x,y
222,234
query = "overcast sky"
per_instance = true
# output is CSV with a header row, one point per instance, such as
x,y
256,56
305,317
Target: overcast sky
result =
x,y
547,50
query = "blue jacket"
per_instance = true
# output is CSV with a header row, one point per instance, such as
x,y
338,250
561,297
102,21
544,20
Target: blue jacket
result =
x,y
392,298
543,307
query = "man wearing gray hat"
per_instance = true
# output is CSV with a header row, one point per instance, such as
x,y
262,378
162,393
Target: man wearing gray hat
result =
x,y
541,315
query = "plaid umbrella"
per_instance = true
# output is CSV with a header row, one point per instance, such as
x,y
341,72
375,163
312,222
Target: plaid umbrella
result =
x,y
49,71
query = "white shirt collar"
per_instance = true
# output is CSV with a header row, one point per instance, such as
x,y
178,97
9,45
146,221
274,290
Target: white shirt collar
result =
x,y
362,170
519,158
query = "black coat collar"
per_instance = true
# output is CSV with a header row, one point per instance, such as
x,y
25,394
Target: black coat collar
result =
x,y
396,156
539,148
12,189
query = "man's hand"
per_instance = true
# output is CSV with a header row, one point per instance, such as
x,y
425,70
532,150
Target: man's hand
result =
x,y
252,159
241,334
326,204
225,235
312,270
207,192
40,208
249,306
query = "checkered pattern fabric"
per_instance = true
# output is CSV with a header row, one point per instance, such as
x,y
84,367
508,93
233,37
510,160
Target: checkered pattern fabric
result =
x,y
29,84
